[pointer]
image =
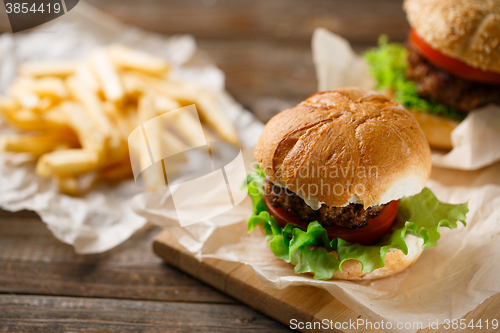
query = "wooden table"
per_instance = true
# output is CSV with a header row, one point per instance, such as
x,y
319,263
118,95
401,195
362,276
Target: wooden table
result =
x,y
263,46
46,287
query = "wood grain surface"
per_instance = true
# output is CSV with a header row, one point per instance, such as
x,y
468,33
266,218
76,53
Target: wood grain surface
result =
x,y
357,20
302,303
4,19
69,314
46,287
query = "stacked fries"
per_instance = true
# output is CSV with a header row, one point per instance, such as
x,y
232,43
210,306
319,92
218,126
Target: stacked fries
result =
x,y
79,114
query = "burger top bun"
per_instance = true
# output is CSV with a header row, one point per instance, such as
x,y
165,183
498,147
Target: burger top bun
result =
x,y
468,30
346,146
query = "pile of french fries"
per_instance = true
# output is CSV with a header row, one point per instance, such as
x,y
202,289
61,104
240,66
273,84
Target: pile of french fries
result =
x,y
75,116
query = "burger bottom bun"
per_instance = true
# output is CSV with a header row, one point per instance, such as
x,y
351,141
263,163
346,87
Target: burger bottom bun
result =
x,y
437,129
395,261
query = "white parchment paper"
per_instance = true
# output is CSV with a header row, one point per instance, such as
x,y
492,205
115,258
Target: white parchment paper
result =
x,y
446,282
476,140
102,219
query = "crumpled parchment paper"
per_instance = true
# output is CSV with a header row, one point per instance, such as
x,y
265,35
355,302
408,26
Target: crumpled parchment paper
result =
x,y
476,140
446,282
102,219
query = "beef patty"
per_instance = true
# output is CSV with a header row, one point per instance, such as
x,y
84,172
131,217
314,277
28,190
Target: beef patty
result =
x,y
437,84
352,216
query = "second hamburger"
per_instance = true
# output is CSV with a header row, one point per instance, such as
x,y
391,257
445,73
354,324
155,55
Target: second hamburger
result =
x,y
449,66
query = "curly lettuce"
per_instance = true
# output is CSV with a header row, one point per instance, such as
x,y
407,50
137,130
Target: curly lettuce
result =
x,y
387,64
420,215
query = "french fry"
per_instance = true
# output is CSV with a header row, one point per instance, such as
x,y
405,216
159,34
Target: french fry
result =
x,y
107,74
117,119
92,104
140,158
147,171
117,171
164,104
90,139
146,108
29,120
86,75
172,144
210,137
132,119
45,103
67,162
39,144
132,84
21,90
54,118
49,86
160,140
68,185
8,105
48,68
124,124
108,116
175,149
94,109
152,128
189,129
205,102
127,58
38,95
26,120
211,113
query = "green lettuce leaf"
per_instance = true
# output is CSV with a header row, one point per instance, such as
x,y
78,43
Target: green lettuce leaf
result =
x,y
420,215
387,64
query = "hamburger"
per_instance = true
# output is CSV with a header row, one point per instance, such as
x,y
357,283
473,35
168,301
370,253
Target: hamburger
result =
x,y
449,66
340,188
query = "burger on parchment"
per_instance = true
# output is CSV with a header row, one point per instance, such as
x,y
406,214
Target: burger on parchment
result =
x,y
340,191
449,66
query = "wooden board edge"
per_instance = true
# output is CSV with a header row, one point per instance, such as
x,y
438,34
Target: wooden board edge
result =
x,y
239,281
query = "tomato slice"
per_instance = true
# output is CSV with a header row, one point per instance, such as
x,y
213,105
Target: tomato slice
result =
x,y
375,228
451,65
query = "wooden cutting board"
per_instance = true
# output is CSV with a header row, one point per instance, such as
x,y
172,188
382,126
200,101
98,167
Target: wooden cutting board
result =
x,y
303,303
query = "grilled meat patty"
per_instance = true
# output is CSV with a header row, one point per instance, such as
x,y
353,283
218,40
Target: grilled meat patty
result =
x,y
352,216
437,84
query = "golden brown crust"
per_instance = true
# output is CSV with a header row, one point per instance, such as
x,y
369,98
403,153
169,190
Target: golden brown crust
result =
x,y
344,145
468,30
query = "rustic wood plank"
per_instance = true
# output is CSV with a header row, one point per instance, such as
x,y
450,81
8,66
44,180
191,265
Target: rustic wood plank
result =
x,y
19,214
259,72
32,261
265,72
4,19
239,281
267,76
305,304
357,20
64,314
